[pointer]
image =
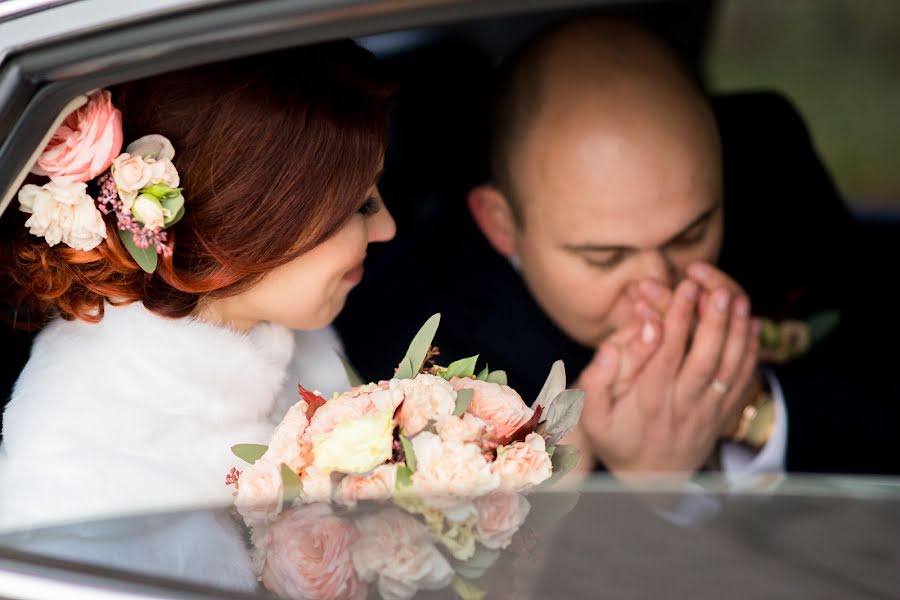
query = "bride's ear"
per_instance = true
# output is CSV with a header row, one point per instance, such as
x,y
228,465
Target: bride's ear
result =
x,y
493,215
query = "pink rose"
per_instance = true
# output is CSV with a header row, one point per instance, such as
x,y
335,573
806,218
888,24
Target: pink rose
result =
x,y
397,550
378,485
424,398
524,464
359,402
449,474
308,555
500,406
259,496
85,144
500,514
285,446
317,485
467,428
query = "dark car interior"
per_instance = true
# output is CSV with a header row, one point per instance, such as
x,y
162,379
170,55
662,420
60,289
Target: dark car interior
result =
x,y
438,147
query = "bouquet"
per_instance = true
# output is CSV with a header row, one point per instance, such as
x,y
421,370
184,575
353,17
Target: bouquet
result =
x,y
413,483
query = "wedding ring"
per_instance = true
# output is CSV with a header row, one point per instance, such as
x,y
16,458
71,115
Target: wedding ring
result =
x,y
719,387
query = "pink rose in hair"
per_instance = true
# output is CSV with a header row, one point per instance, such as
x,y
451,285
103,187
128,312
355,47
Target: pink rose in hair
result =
x,y
500,406
85,144
308,555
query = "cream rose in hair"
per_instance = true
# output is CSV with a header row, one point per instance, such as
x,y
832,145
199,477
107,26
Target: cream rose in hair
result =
x,y
85,144
63,213
396,549
424,398
134,173
500,406
308,555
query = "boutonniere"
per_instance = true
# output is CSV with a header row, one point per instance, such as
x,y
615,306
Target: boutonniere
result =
x,y
784,341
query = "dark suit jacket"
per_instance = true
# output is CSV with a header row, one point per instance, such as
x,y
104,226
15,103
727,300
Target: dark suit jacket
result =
x,y
789,241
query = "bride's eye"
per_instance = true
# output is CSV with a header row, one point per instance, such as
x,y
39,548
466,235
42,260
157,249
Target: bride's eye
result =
x,y
370,207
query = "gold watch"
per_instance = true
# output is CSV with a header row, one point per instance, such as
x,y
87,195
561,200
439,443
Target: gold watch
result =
x,y
757,422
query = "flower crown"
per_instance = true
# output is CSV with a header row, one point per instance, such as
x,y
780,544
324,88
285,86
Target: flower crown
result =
x,y
140,186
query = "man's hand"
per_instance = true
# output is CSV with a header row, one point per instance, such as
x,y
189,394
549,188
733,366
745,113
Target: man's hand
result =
x,y
668,415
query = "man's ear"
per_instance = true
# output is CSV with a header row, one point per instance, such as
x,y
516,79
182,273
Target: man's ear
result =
x,y
491,211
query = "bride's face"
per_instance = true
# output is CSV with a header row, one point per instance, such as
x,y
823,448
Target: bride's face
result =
x,y
309,292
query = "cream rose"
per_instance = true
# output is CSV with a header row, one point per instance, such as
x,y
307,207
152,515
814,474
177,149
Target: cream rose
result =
x,y
130,174
260,494
449,474
355,446
308,555
467,428
379,485
397,550
500,515
499,406
524,464
317,485
424,398
63,213
148,211
355,404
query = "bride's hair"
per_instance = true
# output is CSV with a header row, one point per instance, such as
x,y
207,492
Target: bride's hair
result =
x,y
276,152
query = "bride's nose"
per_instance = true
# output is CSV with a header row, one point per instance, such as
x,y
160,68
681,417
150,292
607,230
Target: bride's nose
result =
x,y
382,227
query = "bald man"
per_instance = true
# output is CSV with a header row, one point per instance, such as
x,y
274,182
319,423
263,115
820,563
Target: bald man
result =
x,y
611,238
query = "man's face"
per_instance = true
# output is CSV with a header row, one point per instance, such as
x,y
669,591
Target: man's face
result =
x,y
606,207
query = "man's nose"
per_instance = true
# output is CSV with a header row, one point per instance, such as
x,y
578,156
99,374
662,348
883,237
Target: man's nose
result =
x,y
655,265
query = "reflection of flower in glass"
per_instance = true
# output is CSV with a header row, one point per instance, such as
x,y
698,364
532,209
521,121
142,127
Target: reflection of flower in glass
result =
x,y
308,555
396,549
500,514
259,492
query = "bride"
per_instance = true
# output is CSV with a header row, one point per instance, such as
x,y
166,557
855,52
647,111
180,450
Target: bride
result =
x,y
191,223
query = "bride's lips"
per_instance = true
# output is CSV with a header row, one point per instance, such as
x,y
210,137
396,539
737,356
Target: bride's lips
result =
x,y
355,275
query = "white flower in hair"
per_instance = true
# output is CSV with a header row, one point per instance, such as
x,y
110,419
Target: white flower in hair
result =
x,y
146,161
63,213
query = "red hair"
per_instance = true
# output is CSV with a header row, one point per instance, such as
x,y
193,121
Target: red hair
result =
x,y
276,152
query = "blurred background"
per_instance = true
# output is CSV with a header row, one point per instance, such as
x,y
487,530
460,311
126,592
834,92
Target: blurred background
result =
x,y
839,62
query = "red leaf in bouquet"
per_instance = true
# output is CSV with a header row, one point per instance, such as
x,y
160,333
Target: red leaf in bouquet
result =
x,y
522,432
313,401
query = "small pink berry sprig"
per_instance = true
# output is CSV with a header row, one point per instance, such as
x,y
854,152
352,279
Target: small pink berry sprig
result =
x,y
108,201
233,478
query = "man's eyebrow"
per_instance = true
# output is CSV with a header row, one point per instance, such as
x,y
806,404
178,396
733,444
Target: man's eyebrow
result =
x,y
703,217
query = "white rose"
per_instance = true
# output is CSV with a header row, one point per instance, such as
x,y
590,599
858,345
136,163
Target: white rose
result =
x,y
425,398
356,445
397,550
163,171
130,174
63,213
147,210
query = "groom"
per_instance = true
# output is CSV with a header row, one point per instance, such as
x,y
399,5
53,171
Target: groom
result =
x,y
616,187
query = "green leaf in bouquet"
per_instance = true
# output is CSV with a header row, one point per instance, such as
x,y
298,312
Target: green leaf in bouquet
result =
x,y
352,376
476,566
483,374
553,386
249,453
418,349
291,484
550,507
404,477
563,414
769,333
565,458
497,377
464,367
467,590
146,258
408,453
821,324
463,400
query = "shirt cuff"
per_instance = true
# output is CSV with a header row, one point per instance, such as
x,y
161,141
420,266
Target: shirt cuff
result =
x,y
746,470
